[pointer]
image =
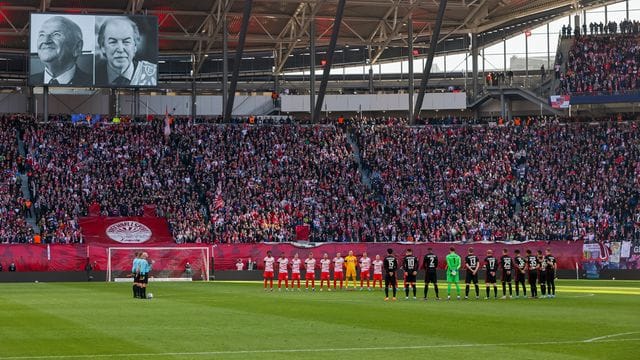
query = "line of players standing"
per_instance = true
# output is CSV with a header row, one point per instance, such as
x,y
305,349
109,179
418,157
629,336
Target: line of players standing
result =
x,y
536,268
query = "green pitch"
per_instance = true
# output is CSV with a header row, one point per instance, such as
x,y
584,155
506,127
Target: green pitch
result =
x,y
588,320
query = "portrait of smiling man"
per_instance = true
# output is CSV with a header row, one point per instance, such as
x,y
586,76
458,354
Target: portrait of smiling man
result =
x,y
120,43
59,44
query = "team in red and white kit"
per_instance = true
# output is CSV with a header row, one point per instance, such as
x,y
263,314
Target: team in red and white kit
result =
x,y
338,270
283,272
365,265
310,272
377,271
296,263
325,265
268,270
540,266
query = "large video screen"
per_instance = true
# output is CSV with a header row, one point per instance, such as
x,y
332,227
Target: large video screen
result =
x,y
93,51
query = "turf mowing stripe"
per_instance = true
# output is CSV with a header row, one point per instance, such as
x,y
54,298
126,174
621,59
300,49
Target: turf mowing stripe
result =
x,y
285,351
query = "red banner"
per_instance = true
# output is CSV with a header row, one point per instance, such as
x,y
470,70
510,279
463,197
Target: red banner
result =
x,y
225,256
302,232
74,257
126,230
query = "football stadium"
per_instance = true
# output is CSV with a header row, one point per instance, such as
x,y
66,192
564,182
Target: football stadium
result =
x,y
319,179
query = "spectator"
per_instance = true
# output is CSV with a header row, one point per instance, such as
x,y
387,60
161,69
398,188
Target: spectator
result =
x,y
12,267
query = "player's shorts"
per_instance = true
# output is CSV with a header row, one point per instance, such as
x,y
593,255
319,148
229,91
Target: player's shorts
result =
x,y
506,275
489,278
431,277
268,275
309,275
471,278
453,278
410,278
144,279
520,277
364,275
338,275
542,277
295,276
390,280
324,276
282,276
351,273
377,277
533,277
551,274
136,278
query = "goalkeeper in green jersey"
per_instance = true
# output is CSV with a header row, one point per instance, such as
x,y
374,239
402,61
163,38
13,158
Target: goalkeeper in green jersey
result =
x,y
453,266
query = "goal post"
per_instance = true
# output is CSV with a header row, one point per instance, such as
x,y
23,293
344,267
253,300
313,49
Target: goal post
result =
x,y
170,263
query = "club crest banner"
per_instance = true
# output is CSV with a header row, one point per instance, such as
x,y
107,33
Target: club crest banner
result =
x,y
125,230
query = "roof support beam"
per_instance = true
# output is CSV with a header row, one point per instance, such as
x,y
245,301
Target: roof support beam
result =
x,y
327,67
395,31
211,27
432,51
293,32
44,5
246,17
134,6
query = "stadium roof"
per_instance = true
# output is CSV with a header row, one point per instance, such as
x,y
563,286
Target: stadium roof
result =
x,y
280,27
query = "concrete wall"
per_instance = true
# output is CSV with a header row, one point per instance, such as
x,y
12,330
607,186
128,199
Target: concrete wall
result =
x,y
375,102
99,104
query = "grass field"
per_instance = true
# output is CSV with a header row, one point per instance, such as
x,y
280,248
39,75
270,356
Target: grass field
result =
x,y
588,320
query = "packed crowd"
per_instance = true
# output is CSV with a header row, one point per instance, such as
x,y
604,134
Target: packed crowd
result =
x,y
111,170
598,64
13,228
558,182
262,182
242,183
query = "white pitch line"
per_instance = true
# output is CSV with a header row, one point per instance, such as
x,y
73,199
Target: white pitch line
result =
x,y
293,351
610,336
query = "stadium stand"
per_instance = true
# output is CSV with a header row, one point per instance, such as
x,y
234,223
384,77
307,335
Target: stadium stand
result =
x,y
359,182
13,228
602,64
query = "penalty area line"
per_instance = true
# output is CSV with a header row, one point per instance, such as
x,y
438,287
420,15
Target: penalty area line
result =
x,y
604,339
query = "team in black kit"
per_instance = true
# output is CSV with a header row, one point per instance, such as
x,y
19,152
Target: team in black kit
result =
x,y
537,268
472,264
410,265
430,267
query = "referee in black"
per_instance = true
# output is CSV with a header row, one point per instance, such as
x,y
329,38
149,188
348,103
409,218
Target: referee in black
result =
x,y
430,267
390,264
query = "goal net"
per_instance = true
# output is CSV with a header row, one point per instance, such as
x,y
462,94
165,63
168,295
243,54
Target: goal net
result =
x,y
170,263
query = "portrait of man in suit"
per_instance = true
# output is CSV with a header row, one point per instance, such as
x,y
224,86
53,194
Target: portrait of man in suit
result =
x,y
119,42
59,44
